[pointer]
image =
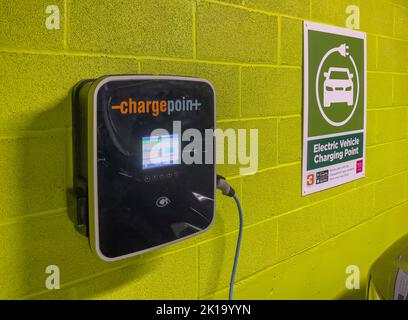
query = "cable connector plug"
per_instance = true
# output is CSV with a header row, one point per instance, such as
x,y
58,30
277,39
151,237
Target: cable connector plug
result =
x,y
224,186
343,50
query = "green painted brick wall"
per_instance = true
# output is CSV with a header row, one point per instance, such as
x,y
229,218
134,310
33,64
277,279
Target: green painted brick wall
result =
x,y
251,50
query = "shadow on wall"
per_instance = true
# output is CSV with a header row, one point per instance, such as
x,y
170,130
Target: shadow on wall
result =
x,y
50,238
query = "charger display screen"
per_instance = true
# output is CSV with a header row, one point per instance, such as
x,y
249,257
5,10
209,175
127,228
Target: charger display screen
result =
x,y
159,151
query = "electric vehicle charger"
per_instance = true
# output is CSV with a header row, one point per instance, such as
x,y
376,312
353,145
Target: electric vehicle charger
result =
x,y
132,193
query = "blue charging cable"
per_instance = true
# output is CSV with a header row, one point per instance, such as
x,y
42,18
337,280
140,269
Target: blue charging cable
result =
x,y
238,248
227,190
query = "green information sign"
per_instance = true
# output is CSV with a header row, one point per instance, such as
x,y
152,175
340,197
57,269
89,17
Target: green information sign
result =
x,y
334,118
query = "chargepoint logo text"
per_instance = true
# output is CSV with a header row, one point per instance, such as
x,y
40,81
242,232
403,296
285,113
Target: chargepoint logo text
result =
x,y
239,151
156,107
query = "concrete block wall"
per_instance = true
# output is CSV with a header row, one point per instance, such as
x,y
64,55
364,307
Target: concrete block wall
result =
x,y
294,247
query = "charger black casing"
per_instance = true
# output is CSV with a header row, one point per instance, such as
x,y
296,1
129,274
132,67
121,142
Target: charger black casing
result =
x,y
123,203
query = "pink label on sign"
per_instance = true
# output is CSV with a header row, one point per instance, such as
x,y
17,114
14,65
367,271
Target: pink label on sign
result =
x,y
359,167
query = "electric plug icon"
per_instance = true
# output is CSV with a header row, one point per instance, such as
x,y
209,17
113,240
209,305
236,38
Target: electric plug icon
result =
x,y
343,50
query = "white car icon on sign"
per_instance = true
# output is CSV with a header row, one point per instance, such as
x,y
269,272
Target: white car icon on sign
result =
x,y
338,87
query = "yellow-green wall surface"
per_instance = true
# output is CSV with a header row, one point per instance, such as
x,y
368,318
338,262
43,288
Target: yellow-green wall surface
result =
x,y
293,247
